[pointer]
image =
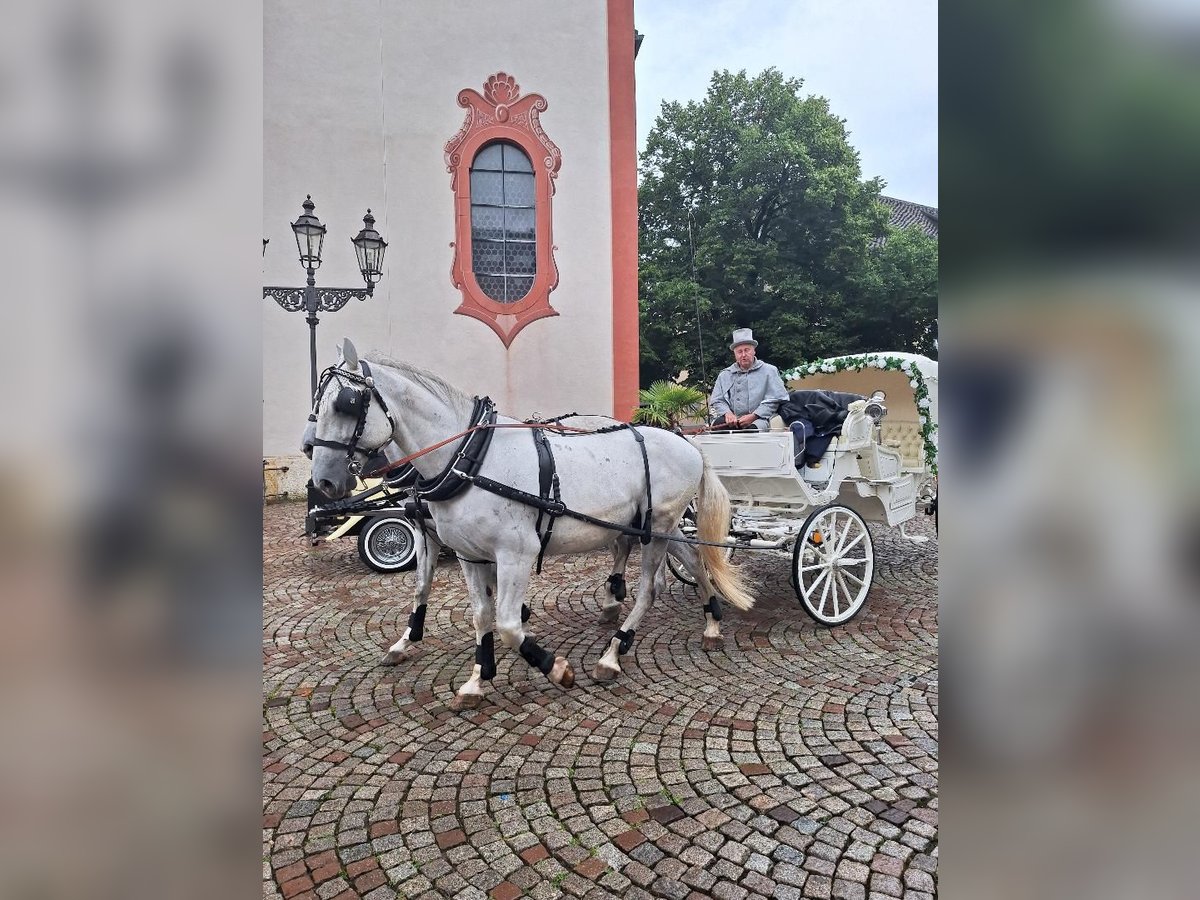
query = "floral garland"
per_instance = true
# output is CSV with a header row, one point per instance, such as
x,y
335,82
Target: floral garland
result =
x,y
915,380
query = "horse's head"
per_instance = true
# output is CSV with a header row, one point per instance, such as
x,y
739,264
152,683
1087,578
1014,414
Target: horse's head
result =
x,y
348,423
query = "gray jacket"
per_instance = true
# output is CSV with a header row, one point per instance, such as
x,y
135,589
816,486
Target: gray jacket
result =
x,y
758,390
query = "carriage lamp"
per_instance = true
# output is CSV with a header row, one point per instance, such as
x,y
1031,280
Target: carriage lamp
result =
x,y
369,248
875,408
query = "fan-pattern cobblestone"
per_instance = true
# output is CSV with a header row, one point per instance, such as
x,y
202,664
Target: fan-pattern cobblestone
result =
x,y
800,762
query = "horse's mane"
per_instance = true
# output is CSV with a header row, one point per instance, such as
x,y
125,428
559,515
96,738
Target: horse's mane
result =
x,y
439,387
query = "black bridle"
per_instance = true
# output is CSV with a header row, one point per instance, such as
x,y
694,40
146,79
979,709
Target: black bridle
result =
x,y
350,401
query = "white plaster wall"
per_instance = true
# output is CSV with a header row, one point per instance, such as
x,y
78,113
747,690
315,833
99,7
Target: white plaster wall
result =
x,y
359,101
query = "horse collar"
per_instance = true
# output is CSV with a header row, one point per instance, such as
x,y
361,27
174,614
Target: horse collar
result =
x,y
467,459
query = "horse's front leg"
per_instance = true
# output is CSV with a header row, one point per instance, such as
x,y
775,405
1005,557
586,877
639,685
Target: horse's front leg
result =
x,y
609,666
481,587
427,554
610,612
689,556
512,582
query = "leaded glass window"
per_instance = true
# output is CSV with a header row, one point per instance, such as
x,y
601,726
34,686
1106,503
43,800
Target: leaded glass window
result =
x,y
503,222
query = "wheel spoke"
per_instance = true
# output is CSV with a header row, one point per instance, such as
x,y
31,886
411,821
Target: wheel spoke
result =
x,y
842,539
852,562
816,582
851,576
824,594
834,595
814,566
850,596
854,543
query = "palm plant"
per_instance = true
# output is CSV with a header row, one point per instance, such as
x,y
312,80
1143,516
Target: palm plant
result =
x,y
664,403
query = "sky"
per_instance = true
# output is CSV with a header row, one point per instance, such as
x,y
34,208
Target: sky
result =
x,y
875,60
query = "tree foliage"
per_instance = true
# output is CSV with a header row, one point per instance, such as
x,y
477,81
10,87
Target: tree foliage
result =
x,y
753,213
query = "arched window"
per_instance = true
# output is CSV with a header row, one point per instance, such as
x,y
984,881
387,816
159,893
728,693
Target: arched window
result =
x,y
503,222
502,168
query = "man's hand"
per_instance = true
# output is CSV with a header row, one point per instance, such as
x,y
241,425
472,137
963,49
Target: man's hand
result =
x,y
730,419
747,419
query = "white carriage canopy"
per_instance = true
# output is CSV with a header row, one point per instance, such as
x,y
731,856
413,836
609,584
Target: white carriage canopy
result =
x,y
910,382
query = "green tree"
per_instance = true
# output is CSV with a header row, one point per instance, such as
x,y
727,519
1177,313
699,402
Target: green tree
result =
x,y
753,212
898,298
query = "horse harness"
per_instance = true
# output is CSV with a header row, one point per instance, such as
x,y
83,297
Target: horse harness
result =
x,y
463,468
350,401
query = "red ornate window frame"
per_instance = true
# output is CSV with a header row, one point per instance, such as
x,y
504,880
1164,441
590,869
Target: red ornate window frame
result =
x,y
502,114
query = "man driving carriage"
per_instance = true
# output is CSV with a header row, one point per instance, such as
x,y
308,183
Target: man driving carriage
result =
x,y
748,392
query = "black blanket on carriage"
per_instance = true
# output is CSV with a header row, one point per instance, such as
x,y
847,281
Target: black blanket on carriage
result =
x,y
824,410
814,417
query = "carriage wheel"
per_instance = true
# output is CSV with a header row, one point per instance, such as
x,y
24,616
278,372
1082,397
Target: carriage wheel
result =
x,y
688,526
388,544
833,563
681,573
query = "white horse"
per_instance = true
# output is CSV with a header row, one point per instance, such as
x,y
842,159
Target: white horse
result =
x,y
428,550
604,476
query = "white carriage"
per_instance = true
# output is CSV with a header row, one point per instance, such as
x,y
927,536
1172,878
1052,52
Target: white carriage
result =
x,y
881,467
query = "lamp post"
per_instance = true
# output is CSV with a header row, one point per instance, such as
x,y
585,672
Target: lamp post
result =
x,y
369,247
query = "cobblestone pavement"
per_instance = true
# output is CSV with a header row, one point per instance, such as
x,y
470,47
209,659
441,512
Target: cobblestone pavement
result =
x,y
799,762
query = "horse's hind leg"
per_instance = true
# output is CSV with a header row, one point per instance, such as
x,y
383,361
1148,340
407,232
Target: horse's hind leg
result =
x,y
480,578
512,581
712,639
609,667
610,612
689,556
427,554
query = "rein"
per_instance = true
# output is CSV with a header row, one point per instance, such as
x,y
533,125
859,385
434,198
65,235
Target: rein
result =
x,y
493,425
550,424
441,487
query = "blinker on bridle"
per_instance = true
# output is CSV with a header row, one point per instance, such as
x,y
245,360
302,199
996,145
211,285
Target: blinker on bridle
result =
x,y
350,401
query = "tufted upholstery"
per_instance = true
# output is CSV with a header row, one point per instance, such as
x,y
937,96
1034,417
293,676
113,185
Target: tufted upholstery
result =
x,y
905,437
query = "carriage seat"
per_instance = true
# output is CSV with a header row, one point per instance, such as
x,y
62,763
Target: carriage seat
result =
x,y
831,419
905,437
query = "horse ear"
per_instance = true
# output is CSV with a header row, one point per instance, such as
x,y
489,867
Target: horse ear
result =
x,y
350,355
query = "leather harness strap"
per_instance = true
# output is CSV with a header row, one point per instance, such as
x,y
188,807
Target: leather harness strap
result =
x,y
646,519
548,488
449,482
351,401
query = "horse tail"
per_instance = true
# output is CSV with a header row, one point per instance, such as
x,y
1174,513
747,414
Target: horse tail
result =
x,y
712,524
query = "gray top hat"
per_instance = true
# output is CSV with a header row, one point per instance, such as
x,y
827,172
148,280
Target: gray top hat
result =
x,y
743,336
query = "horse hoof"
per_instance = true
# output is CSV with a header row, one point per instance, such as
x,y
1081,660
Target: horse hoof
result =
x,y
602,672
562,674
713,643
610,614
465,701
394,658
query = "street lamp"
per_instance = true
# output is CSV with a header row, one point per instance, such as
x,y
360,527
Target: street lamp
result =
x,y
369,247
